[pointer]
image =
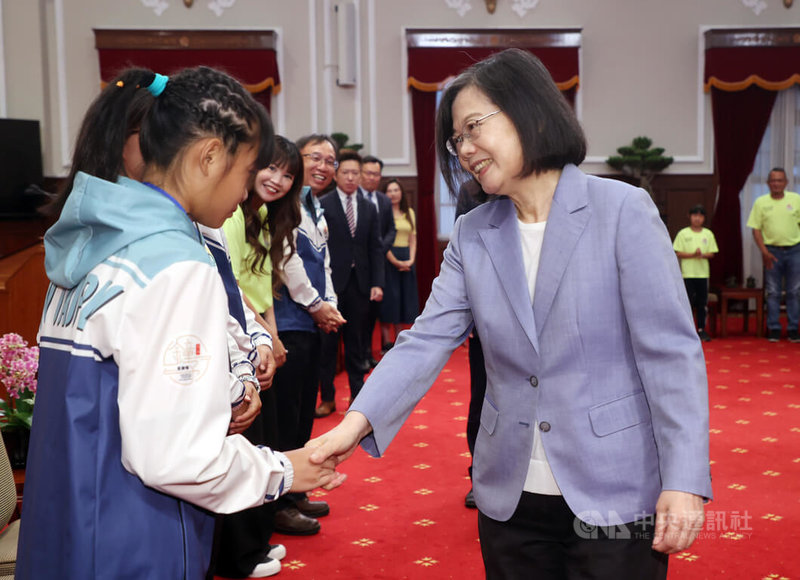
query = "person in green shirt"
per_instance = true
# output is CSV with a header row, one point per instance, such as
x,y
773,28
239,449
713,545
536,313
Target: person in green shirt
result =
x,y
694,246
775,219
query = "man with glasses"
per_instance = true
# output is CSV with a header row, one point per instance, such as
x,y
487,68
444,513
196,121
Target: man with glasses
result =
x,y
319,162
357,271
310,305
371,168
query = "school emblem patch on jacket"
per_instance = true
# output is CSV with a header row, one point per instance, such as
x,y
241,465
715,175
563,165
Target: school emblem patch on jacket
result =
x,y
186,359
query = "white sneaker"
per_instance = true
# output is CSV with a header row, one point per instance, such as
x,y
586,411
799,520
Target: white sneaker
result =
x,y
277,551
268,567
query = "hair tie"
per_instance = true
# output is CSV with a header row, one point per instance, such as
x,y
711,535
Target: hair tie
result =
x,y
157,86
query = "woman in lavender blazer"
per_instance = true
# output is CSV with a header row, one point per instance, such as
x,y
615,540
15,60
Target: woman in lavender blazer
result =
x,y
592,457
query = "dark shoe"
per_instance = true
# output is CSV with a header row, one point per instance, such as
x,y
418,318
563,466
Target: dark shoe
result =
x,y
387,347
325,408
469,501
773,335
313,509
703,336
372,362
794,336
291,522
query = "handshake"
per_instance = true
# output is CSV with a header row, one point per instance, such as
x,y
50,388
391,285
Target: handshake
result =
x,y
315,464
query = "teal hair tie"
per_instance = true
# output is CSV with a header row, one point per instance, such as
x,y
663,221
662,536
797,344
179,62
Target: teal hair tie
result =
x,y
158,84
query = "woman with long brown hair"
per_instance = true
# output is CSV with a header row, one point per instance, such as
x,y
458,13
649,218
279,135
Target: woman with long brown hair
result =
x,y
400,304
258,234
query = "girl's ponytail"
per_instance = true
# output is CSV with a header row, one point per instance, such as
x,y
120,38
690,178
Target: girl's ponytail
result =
x,y
112,117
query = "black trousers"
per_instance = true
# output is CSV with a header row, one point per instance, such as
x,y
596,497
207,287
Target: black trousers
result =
x,y
354,306
373,314
477,391
241,539
697,289
295,387
544,540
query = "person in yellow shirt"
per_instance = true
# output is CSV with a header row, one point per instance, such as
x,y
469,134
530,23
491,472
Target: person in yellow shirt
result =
x,y
776,230
694,246
400,306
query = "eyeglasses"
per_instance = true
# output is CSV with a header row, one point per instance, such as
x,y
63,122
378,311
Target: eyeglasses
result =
x,y
317,158
471,132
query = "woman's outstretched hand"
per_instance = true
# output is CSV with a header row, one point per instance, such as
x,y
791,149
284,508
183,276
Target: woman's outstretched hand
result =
x,y
340,442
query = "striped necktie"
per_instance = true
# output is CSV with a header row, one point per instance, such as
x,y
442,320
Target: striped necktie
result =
x,y
351,216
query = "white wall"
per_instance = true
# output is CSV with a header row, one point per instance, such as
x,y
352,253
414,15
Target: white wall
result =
x,y
641,64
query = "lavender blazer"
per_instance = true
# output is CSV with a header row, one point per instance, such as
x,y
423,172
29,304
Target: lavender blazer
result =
x,y
607,360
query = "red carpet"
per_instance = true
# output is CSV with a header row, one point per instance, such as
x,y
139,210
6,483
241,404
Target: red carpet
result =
x,y
403,516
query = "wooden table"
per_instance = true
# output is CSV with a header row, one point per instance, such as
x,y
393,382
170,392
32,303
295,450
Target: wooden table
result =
x,y
746,294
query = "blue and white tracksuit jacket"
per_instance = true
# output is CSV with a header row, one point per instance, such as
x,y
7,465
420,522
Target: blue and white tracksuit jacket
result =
x,y
306,274
128,451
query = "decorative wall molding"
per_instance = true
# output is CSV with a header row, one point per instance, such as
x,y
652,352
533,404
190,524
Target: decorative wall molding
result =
x,y
328,65
703,106
162,39
757,6
61,87
736,37
460,6
220,6
158,6
280,98
312,66
405,131
216,6
3,101
522,7
359,100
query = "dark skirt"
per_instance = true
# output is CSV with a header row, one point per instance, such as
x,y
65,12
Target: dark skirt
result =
x,y
400,303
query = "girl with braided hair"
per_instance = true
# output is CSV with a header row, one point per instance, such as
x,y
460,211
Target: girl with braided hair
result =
x,y
130,450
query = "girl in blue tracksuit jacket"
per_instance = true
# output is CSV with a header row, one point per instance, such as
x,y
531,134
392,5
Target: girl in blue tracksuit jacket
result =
x,y
129,449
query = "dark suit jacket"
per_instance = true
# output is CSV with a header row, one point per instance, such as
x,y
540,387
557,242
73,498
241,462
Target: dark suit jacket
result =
x,y
470,196
364,249
387,230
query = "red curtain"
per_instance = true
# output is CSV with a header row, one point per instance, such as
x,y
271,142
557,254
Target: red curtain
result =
x,y
740,119
429,69
257,70
774,68
743,81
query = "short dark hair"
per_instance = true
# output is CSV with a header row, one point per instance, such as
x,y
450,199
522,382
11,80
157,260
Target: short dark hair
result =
x,y
315,138
349,155
778,170
519,84
372,159
698,209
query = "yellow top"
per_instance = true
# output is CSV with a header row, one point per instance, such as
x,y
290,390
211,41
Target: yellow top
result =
x,y
688,241
404,229
777,219
256,286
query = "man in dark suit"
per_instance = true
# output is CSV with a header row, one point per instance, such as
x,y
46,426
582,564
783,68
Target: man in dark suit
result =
x,y
371,169
357,263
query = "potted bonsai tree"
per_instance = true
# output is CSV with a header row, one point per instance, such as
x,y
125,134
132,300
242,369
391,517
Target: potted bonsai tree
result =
x,y
640,161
